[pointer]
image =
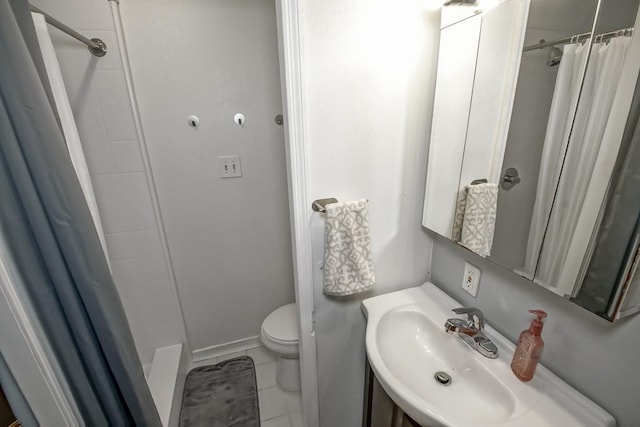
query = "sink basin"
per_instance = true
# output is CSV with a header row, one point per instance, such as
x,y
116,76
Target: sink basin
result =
x,y
407,345
407,338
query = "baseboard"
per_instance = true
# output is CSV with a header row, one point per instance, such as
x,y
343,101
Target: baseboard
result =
x,y
226,348
166,381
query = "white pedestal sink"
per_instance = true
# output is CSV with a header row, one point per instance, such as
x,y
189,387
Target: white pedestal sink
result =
x,y
406,345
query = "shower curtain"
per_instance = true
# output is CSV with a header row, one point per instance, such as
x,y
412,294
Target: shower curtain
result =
x,y
615,243
563,104
49,229
549,241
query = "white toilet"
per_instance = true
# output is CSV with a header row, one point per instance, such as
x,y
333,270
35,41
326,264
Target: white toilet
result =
x,y
279,334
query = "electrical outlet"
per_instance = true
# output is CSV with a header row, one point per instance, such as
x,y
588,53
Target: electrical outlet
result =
x,y
229,166
471,279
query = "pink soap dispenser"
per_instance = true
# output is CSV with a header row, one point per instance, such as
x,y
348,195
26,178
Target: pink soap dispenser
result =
x,y
529,349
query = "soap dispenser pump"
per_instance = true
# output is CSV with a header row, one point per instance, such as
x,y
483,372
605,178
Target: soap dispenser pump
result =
x,y
529,349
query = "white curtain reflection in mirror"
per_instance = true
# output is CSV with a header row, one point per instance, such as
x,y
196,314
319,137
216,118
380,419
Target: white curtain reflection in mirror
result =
x,y
565,99
584,138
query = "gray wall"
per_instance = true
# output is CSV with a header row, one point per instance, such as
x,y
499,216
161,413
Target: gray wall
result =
x,y
596,357
229,238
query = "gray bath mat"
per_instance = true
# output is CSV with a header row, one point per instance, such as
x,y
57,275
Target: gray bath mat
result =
x,y
221,395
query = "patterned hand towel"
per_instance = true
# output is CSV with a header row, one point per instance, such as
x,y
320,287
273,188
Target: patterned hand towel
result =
x,y
458,219
479,218
348,262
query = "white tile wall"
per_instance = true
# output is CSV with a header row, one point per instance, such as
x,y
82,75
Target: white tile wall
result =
x,y
126,156
117,115
136,244
124,202
103,113
94,139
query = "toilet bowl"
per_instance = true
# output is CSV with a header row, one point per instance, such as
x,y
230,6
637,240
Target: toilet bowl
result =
x,y
279,333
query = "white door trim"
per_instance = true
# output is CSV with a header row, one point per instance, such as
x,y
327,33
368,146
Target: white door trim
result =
x,y
290,45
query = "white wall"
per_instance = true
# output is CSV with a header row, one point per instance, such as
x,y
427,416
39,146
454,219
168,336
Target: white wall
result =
x,y
104,118
229,238
369,77
598,358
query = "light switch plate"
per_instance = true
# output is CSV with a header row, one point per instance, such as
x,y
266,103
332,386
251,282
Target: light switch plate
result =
x,y
471,279
229,166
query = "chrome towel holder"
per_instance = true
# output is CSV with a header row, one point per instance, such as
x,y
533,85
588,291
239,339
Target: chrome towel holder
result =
x,y
319,205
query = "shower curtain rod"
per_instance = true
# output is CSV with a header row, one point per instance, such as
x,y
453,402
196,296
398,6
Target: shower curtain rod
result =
x,y
96,46
577,38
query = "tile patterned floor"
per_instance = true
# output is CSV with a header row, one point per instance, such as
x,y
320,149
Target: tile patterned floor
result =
x,y
277,408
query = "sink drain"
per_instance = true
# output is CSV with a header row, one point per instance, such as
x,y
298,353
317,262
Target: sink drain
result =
x,y
442,378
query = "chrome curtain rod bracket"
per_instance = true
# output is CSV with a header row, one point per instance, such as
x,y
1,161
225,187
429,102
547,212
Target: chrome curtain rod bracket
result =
x,y
320,204
100,48
96,46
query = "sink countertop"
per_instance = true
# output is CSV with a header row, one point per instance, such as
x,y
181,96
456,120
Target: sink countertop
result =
x,y
406,344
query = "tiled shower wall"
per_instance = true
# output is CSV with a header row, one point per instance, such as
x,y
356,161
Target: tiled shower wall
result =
x,y
104,117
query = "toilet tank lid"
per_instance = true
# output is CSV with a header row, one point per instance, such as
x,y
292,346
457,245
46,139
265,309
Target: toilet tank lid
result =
x,y
282,323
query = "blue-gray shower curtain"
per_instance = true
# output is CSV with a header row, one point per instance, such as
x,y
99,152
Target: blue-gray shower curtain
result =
x,y
619,231
50,232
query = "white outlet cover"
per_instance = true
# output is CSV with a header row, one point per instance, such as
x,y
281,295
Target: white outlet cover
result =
x,y
471,279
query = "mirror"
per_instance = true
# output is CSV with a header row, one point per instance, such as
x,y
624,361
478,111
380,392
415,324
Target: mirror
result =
x,y
477,69
529,116
601,261
609,278
523,210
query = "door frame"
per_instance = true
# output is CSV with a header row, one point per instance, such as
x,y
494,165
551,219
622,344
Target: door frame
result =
x,y
290,48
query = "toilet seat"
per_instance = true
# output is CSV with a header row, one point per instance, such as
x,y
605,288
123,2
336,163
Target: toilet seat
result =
x,y
280,330
279,333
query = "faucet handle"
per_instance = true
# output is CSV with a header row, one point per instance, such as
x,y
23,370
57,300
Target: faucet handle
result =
x,y
474,316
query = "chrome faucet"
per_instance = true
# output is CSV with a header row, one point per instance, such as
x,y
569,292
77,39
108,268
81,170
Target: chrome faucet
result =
x,y
471,331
